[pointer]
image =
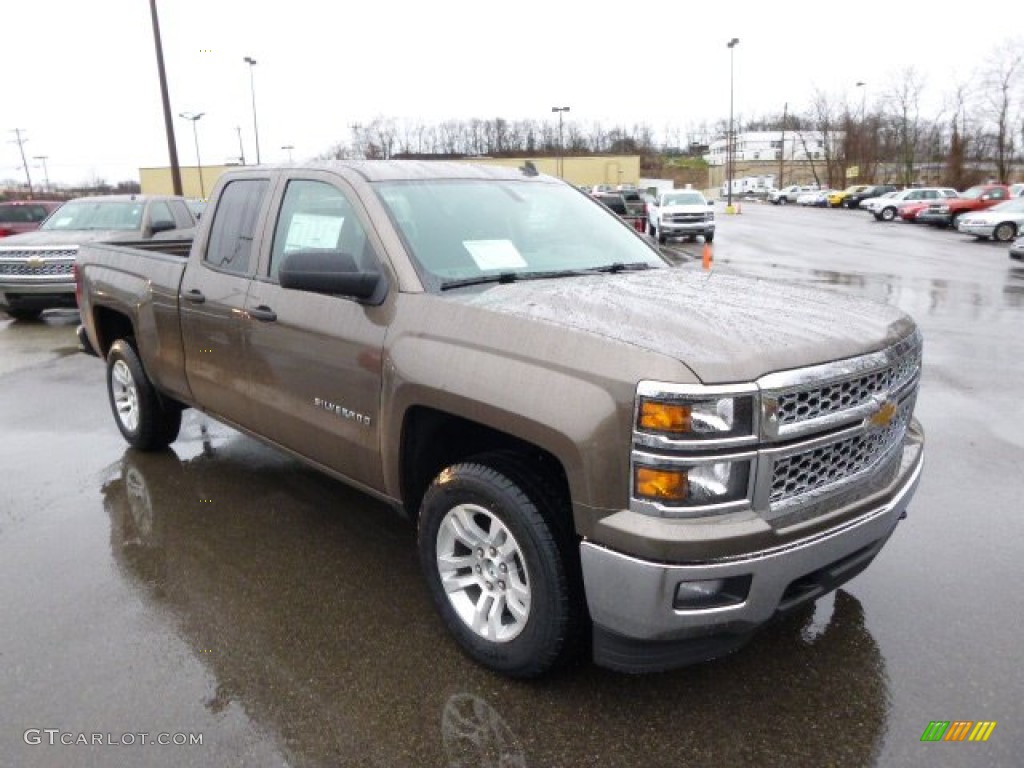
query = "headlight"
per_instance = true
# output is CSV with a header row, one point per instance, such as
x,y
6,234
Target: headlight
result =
x,y
709,216
685,417
699,485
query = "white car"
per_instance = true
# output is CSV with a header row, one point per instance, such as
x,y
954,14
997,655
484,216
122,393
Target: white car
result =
x,y
1002,222
789,194
887,208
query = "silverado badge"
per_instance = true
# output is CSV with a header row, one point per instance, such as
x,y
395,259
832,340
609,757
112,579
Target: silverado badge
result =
x,y
35,262
884,415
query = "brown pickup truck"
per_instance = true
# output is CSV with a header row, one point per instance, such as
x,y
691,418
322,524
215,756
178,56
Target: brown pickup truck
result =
x,y
601,452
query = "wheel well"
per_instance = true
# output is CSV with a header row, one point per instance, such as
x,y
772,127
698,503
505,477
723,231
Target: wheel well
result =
x,y
433,440
110,326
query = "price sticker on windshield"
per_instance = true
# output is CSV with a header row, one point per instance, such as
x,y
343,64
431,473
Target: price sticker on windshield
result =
x,y
494,254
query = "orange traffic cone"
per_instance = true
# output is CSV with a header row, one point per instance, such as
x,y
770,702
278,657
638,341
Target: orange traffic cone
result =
x,y
708,256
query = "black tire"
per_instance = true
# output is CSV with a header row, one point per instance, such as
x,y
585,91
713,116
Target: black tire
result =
x,y
1004,232
24,314
783,200
954,221
662,239
709,237
147,420
506,501
888,213
651,230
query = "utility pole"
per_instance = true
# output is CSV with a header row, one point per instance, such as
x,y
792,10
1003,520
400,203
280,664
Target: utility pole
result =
x,y
241,149
46,173
24,163
782,154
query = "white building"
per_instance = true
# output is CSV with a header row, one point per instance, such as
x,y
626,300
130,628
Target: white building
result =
x,y
768,145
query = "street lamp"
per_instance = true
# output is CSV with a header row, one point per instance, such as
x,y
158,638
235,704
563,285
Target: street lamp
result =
x,y
730,149
289,147
252,87
194,117
561,149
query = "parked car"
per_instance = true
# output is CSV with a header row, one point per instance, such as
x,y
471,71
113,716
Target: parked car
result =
x,y
836,198
36,268
854,199
1017,249
1017,190
613,200
789,194
870,201
18,216
979,198
1001,222
911,211
887,208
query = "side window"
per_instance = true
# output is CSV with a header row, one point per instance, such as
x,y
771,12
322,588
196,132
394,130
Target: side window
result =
x,y
316,216
159,213
234,226
182,217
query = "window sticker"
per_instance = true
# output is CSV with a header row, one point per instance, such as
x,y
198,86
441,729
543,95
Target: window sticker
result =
x,y
311,230
494,254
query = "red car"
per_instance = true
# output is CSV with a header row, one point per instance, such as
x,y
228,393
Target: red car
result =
x,y
910,212
25,215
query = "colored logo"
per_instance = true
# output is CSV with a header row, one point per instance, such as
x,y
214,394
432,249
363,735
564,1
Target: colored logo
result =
x,y
884,415
958,730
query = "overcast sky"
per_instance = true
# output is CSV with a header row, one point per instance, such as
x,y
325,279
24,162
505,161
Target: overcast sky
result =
x,y
80,77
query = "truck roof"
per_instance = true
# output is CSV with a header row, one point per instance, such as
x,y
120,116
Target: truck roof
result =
x,y
406,170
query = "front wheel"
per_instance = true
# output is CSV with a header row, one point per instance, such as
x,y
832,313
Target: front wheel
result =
x,y
888,214
1005,232
147,420
783,201
499,569
709,237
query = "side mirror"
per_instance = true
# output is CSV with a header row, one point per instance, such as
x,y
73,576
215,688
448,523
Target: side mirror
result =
x,y
329,271
161,226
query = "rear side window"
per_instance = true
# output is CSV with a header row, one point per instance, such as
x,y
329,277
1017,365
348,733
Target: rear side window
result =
x,y
234,226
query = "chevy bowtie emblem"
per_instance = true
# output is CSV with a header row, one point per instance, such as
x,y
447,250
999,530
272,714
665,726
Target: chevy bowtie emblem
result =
x,y
35,261
885,414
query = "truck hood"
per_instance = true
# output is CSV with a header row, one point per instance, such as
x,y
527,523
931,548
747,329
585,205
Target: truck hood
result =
x,y
725,328
72,237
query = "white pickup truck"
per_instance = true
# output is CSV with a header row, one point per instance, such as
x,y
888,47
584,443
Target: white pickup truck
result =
x,y
681,213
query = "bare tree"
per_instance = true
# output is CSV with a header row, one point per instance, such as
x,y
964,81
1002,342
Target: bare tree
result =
x,y
904,99
1002,82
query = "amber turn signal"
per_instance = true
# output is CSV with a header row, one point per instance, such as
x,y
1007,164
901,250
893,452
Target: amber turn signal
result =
x,y
665,417
660,484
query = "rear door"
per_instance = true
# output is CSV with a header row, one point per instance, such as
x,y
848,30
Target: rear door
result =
x,y
315,359
212,300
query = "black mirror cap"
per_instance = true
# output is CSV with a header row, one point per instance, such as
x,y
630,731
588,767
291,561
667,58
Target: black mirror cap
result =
x,y
161,226
332,272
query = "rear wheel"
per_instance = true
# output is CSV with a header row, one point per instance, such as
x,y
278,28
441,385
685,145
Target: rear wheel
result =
x,y
147,420
1005,232
501,568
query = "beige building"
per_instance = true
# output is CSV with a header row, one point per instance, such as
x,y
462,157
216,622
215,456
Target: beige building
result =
x,y
610,169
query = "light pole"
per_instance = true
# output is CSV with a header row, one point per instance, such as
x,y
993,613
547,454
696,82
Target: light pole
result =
x,y
862,134
172,149
289,147
241,149
561,148
252,87
730,148
46,173
194,117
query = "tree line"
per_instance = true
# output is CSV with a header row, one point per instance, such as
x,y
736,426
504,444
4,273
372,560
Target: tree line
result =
x,y
977,132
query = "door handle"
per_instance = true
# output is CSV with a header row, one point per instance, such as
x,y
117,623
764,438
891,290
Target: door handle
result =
x,y
263,313
195,296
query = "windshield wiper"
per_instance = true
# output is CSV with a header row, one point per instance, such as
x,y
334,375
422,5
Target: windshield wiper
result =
x,y
512,277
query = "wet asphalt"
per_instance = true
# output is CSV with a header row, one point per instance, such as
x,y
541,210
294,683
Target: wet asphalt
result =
x,y
223,590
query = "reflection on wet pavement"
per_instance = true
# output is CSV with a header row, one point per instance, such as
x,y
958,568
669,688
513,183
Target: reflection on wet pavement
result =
x,y
305,601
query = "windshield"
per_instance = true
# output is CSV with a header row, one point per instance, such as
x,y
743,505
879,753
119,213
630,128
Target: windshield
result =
x,y
21,214
683,198
459,229
87,214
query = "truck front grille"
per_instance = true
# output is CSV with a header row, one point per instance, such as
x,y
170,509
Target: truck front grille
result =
x,y
812,403
24,269
839,462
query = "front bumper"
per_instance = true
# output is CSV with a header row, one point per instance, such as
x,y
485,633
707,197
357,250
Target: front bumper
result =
x,y
677,229
637,626
941,219
33,295
978,230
